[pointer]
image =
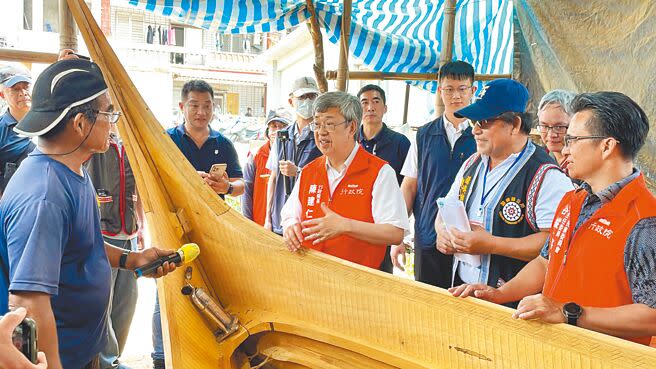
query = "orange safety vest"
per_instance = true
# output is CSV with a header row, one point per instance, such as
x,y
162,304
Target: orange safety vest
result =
x,y
260,183
588,267
351,198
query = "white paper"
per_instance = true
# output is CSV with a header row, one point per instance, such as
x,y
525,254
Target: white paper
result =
x,y
454,215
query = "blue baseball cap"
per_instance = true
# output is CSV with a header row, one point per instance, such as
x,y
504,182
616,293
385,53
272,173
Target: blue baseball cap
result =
x,y
495,98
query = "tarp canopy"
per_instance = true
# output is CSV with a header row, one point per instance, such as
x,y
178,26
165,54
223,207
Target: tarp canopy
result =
x,y
592,46
386,35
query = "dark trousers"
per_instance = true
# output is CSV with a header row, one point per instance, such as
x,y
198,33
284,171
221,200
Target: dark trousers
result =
x,y
432,267
386,264
93,364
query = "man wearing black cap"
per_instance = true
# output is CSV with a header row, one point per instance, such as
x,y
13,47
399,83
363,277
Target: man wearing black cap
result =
x,y
59,266
510,189
15,84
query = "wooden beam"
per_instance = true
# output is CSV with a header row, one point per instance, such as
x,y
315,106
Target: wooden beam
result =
x,y
26,56
67,29
406,103
382,76
446,54
317,40
342,70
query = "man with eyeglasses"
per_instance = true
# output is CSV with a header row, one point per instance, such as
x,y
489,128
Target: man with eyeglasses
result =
x,y
15,85
510,189
554,113
440,149
346,203
58,265
293,149
202,145
596,268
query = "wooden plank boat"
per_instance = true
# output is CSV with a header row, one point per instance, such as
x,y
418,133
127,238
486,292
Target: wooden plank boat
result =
x,y
312,310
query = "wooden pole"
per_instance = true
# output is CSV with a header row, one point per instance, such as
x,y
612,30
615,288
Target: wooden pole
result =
x,y
25,56
406,103
382,76
446,54
67,30
342,71
317,40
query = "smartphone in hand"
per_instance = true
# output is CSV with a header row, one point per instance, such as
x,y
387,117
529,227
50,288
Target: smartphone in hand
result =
x,y
217,170
24,339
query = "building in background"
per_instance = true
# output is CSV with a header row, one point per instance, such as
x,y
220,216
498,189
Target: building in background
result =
x,y
160,55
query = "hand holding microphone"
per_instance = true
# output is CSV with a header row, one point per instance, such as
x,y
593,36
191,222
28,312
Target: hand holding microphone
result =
x,y
168,263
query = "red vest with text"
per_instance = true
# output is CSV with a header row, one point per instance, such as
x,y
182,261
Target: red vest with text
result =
x,y
588,266
351,199
260,183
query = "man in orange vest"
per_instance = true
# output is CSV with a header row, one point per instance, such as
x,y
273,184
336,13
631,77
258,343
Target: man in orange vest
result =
x,y
346,203
596,268
256,174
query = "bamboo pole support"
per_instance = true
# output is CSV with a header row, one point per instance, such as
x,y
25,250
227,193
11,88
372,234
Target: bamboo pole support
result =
x,y
383,76
317,40
67,29
406,103
26,56
342,71
447,46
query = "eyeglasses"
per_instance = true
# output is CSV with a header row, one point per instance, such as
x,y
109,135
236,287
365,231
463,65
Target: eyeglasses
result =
x,y
329,127
483,124
450,91
310,96
112,116
560,129
569,139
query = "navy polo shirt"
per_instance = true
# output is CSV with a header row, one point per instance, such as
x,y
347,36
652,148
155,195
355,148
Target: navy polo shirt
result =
x,y
12,146
217,149
390,146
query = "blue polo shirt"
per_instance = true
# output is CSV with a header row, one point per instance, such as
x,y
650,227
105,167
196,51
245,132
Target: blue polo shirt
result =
x,y
217,149
388,145
12,146
51,237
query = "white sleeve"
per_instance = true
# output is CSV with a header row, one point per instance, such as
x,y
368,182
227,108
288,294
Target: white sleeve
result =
x,y
387,204
410,165
272,161
454,191
553,188
291,211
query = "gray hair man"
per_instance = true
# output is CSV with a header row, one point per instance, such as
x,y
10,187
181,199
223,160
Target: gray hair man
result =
x,y
554,114
346,203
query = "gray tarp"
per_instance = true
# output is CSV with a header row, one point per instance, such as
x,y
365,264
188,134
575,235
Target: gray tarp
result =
x,y
591,46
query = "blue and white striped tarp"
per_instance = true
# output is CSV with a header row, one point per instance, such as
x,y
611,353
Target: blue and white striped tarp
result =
x,y
386,35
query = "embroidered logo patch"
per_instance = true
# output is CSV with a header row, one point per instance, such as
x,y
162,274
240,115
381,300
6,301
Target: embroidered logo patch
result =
x,y
464,186
512,210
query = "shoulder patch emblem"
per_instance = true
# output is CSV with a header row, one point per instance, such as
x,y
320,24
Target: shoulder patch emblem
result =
x,y
512,210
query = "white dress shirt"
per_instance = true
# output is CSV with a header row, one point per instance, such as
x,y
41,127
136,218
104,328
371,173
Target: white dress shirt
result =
x,y
387,204
411,165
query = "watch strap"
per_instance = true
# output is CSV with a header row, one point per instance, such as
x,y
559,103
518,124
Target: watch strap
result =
x,y
230,188
122,261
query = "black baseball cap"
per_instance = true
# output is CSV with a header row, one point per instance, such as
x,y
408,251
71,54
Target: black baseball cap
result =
x,y
60,87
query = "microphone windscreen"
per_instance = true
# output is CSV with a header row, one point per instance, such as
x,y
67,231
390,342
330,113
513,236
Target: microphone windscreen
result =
x,y
190,251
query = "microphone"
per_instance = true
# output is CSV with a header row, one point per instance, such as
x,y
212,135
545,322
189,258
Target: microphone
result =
x,y
185,254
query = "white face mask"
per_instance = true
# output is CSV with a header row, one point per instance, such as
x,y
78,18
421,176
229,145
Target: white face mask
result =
x,y
304,108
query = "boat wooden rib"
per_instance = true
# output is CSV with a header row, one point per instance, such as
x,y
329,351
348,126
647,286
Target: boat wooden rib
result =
x,y
311,310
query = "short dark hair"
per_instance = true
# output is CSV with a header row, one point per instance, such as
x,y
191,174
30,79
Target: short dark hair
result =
x,y
526,119
370,87
615,115
88,109
456,69
197,85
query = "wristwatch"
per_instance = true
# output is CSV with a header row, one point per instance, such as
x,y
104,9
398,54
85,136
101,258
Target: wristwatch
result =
x,y
572,311
122,261
230,188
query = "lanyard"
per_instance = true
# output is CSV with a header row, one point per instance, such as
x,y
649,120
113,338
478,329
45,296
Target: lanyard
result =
x,y
484,194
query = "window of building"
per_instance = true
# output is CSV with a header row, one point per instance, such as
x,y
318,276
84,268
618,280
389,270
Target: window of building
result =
x,y
27,15
51,15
